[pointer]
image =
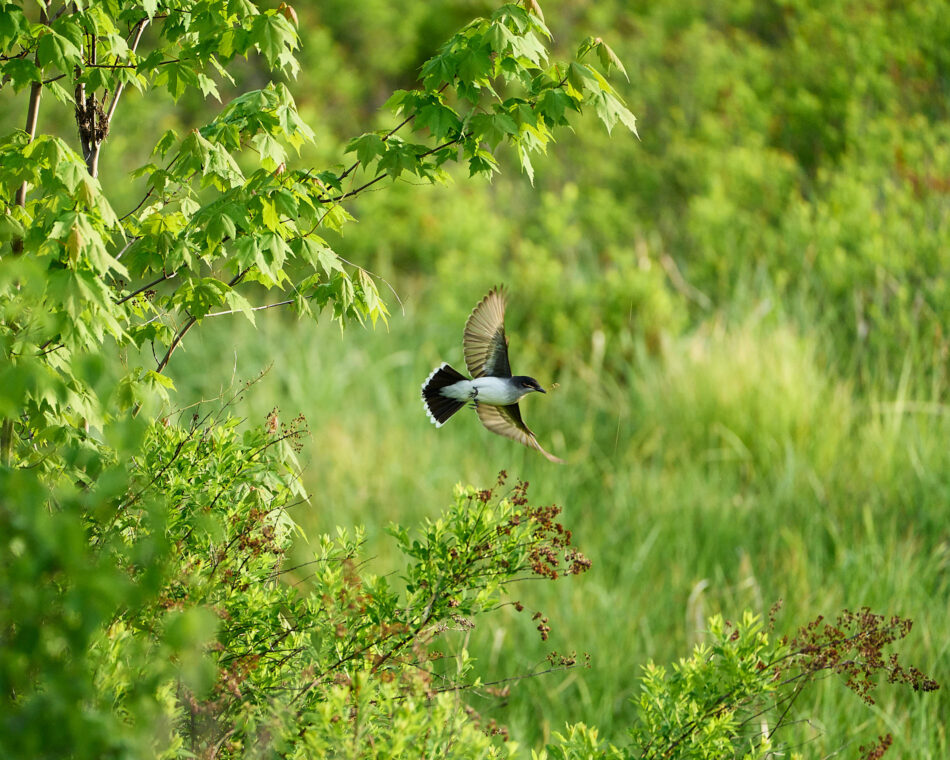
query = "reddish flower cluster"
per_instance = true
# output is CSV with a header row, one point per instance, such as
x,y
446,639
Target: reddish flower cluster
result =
x,y
492,728
853,648
543,626
556,660
876,751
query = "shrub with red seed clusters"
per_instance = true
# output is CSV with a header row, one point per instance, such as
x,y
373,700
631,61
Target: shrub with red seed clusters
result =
x,y
853,648
550,554
876,751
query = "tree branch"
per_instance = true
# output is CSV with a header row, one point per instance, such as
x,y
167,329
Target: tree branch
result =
x,y
175,341
361,188
357,190
89,117
147,286
179,336
253,308
118,90
385,137
32,115
93,121
150,191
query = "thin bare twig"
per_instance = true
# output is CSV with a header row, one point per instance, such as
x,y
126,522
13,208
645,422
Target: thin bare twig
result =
x,y
385,137
150,191
179,336
118,90
252,308
147,286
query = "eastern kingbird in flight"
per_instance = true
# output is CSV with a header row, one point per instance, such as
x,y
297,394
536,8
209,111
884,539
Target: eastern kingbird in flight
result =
x,y
493,389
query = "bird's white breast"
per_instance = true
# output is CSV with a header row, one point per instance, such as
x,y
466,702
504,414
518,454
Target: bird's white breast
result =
x,y
497,391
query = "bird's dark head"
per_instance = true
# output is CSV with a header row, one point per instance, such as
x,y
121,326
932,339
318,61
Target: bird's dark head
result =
x,y
528,384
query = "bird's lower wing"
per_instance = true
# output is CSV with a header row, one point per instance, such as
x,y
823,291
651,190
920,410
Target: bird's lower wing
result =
x,y
506,421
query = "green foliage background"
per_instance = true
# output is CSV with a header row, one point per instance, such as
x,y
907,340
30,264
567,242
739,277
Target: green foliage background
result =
x,y
745,312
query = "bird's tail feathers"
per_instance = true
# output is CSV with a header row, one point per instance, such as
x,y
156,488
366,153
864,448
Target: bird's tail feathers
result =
x,y
439,407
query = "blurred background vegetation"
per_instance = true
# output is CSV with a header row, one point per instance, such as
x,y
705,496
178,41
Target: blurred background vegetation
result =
x,y
745,312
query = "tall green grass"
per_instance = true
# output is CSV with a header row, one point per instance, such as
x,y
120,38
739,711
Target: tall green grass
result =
x,y
731,470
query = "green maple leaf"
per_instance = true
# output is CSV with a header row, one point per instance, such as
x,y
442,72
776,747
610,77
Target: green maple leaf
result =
x,y
60,51
274,36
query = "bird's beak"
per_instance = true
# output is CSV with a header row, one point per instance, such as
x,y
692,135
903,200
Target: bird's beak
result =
x,y
539,389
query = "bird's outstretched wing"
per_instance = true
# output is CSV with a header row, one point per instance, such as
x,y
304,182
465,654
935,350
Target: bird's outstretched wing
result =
x,y
484,342
506,421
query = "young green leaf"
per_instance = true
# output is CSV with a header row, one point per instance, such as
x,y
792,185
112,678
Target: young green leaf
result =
x,y
60,51
367,148
274,36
